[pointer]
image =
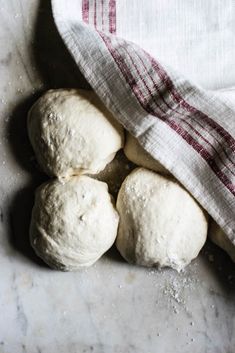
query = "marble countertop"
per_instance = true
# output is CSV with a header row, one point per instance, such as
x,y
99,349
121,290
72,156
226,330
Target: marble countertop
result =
x,y
111,307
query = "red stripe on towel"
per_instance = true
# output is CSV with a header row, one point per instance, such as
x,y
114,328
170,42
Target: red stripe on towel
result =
x,y
85,11
133,83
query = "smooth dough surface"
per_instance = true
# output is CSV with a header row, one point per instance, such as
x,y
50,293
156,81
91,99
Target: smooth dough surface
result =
x,y
218,237
137,154
73,133
160,222
73,223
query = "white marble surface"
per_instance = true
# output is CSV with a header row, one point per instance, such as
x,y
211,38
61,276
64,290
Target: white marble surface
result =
x,y
112,307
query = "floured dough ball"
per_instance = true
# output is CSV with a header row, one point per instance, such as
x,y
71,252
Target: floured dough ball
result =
x,y
74,223
218,237
115,172
73,133
137,154
160,223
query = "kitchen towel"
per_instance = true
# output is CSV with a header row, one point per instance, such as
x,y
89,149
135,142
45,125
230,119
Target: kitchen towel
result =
x,y
155,65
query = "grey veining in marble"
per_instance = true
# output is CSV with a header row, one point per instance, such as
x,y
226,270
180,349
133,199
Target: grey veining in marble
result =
x,y
111,307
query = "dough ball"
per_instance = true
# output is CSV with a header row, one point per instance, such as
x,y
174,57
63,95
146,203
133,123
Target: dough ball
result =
x,y
137,154
218,237
73,133
160,223
115,172
74,223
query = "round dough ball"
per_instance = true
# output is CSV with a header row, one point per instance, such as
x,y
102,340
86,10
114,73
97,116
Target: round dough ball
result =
x,y
74,223
73,133
137,154
160,222
218,237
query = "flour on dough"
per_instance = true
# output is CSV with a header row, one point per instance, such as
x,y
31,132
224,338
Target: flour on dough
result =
x,y
137,154
73,133
73,223
115,172
160,222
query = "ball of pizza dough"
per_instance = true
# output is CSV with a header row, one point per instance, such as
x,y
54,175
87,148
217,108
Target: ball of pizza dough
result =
x,y
160,222
115,173
73,133
217,235
137,154
73,223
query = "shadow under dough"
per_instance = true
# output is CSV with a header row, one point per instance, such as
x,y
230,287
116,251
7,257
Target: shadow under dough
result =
x,y
19,212
57,69
114,255
221,267
53,61
20,216
18,139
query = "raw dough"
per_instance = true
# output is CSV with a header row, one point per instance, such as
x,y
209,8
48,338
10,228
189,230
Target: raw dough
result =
x,y
115,172
218,236
137,154
73,223
73,133
160,222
